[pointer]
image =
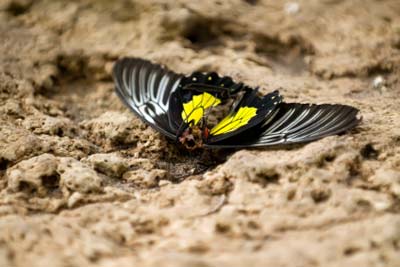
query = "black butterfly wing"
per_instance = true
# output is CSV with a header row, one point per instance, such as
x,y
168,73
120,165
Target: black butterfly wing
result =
x,y
296,123
249,112
146,88
158,95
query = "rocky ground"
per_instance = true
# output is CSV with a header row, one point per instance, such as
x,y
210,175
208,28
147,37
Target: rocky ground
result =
x,y
83,182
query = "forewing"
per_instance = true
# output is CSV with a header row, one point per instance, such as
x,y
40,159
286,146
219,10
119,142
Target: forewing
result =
x,y
146,88
297,123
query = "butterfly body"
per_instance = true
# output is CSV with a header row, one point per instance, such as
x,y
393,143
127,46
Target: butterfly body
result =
x,y
178,106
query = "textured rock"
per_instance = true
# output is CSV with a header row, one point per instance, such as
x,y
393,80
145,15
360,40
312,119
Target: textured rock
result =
x,y
145,179
38,174
114,128
111,164
42,124
77,176
17,144
46,172
389,178
66,146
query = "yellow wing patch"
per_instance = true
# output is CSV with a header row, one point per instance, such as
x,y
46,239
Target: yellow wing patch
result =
x,y
193,110
234,121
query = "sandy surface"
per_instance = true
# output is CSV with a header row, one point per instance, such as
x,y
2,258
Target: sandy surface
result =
x,y
84,183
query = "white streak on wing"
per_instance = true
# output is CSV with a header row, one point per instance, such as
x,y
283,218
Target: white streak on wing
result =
x,y
292,126
135,96
336,123
124,80
312,127
163,86
280,121
152,87
148,116
144,94
164,104
306,123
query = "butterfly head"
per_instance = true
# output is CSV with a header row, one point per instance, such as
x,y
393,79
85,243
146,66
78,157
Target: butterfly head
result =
x,y
193,137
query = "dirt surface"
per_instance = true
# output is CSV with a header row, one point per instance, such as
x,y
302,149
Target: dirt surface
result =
x,y
84,183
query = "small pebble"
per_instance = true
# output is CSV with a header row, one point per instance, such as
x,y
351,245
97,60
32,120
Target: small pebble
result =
x,y
292,8
378,82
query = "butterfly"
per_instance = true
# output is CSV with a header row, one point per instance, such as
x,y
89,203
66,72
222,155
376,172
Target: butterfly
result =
x,y
179,106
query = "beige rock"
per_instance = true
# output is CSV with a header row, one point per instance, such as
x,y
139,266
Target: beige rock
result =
x,y
214,184
36,175
17,144
388,177
114,128
66,146
77,176
145,179
42,124
111,164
